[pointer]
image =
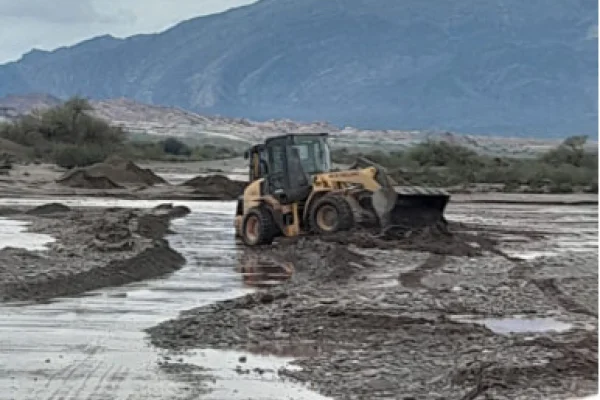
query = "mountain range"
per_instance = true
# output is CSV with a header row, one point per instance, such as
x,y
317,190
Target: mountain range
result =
x,y
503,67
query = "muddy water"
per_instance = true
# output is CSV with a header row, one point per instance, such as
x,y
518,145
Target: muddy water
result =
x,y
92,347
14,234
566,229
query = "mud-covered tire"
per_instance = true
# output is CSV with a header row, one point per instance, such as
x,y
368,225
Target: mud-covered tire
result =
x,y
258,227
330,214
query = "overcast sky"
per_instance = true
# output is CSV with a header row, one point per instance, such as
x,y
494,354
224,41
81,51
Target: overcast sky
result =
x,y
48,24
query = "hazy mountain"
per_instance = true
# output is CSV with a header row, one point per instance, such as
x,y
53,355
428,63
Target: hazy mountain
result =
x,y
499,66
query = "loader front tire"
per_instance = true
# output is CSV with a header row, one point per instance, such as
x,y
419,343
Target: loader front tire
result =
x,y
257,227
330,214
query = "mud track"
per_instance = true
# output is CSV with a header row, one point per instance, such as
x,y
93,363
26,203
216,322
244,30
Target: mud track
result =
x,y
413,279
550,288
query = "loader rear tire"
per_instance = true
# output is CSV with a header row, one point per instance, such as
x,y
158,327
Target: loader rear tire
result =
x,y
258,227
330,214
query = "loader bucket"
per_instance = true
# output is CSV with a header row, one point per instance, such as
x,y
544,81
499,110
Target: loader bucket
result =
x,y
410,207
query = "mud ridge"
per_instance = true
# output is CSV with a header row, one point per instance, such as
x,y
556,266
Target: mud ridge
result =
x,y
93,249
435,242
150,263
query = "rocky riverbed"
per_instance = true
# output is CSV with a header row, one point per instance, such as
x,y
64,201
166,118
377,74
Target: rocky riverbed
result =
x,y
503,307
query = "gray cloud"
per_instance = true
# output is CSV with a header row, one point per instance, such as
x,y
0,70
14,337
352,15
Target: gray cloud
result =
x,y
592,32
45,24
58,11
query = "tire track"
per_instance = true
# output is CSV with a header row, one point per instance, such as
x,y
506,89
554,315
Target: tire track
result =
x,y
66,374
551,290
413,279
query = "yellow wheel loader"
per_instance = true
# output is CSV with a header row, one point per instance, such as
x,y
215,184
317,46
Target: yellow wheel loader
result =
x,y
293,191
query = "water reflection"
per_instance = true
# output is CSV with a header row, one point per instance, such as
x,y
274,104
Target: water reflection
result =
x,y
262,272
516,324
14,234
290,349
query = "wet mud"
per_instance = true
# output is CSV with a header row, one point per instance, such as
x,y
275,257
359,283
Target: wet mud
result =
x,y
92,346
369,317
93,248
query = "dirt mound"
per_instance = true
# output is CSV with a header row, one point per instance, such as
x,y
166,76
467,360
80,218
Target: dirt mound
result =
x,y
94,248
82,179
113,173
216,185
50,208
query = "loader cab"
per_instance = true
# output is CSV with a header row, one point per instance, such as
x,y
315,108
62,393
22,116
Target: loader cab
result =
x,y
288,164
257,162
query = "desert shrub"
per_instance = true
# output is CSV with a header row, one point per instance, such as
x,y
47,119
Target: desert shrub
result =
x,y
561,170
176,147
570,152
443,154
70,156
511,186
211,152
593,188
67,134
157,151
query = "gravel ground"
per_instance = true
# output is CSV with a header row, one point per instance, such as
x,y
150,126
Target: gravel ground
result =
x,y
406,319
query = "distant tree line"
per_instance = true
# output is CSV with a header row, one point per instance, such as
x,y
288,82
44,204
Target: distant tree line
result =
x,y
70,136
561,170
67,134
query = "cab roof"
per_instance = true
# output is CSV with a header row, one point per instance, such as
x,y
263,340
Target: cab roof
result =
x,y
261,146
291,135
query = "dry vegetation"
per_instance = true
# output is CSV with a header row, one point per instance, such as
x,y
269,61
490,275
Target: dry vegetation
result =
x,y
70,136
565,169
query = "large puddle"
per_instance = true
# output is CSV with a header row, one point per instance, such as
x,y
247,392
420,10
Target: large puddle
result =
x,y
14,234
517,325
93,347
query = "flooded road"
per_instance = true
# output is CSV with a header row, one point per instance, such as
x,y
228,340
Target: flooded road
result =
x,y
93,347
